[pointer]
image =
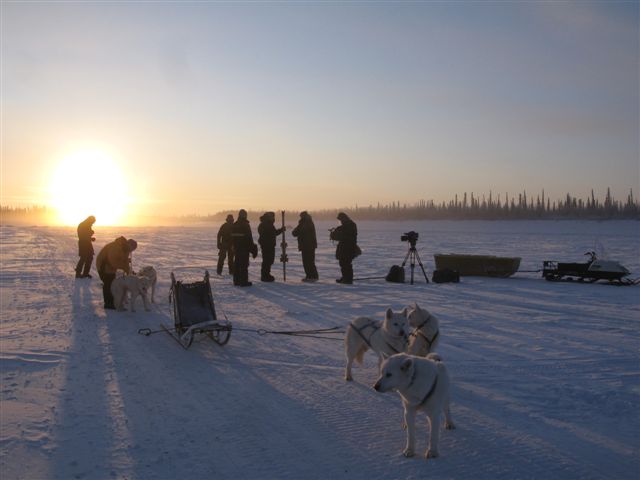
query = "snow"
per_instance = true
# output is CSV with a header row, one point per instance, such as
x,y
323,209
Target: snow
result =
x,y
545,375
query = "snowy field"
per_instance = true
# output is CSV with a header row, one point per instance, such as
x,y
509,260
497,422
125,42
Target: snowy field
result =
x,y
545,376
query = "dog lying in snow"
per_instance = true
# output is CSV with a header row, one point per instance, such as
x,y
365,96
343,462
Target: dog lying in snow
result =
x,y
423,384
138,286
150,273
426,331
384,338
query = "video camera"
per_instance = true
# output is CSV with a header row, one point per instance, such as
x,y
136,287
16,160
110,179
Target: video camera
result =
x,y
411,237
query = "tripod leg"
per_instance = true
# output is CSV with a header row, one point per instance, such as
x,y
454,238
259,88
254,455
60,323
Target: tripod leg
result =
x,y
413,263
404,262
421,266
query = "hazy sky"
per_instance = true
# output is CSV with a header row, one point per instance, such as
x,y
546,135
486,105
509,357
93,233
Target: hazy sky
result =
x,y
207,106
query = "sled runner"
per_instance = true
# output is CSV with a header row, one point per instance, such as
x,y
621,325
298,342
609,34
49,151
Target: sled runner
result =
x,y
194,313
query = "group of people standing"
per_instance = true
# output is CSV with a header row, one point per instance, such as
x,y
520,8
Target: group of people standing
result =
x,y
235,244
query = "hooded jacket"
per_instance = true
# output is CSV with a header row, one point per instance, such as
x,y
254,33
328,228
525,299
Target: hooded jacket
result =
x,y
305,232
267,232
347,236
85,233
114,256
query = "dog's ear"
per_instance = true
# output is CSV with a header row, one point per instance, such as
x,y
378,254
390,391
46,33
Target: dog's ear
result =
x,y
406,364
405,311
388,313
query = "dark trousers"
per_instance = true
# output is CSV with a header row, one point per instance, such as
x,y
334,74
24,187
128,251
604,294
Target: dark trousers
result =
x,y
222,254
309,263
268,257
84,264
107,279
241,268
346,268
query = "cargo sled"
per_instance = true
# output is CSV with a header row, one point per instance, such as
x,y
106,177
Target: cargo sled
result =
x,y
591,271
483,265
194,313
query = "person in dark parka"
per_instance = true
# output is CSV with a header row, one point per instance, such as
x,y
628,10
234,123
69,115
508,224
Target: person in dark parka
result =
x,y
305,232
243,246
85,247
225,245
267,233
114,256
346,235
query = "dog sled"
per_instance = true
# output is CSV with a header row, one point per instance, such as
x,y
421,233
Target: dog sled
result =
x,y
194,313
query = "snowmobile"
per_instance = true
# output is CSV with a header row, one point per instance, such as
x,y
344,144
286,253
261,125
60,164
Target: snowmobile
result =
x,y
591,271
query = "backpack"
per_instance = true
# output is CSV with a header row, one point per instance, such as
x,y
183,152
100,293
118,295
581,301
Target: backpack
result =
x,y
396,274
446,275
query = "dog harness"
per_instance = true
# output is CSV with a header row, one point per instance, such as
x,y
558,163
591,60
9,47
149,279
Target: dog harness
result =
x,y
431,390
418,331
375,328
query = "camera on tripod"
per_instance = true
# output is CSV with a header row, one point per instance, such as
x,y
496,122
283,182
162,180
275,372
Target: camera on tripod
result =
x,y
411,237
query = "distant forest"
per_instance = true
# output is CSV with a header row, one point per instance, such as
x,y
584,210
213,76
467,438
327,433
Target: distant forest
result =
x,y
466,207
471,207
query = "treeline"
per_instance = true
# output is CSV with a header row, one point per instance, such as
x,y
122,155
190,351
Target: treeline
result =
x,y
35,214
465,207
522,206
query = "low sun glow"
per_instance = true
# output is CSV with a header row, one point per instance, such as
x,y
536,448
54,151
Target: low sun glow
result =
x,y
89,183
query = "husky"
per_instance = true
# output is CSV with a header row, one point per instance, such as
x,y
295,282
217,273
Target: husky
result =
x,y
150,273
138,286
384,338
426,331
423,384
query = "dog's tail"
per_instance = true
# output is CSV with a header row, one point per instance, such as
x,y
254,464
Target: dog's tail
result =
x,y
435,357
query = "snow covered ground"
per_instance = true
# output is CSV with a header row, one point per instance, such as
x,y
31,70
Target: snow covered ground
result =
x,y
545,375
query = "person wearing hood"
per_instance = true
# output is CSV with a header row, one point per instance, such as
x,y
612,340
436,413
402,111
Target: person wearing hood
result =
x,y
305,232
114,256
267,233
346,234
243,246
85,247
225,245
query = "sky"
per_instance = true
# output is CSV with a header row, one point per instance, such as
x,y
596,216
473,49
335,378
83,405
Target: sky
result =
x,y
177,108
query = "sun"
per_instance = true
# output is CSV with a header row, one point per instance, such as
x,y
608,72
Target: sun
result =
x,y
89,183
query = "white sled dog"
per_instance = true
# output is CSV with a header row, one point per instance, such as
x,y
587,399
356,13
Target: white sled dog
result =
x,y
384,338
426,331
138,286
423,384
150,273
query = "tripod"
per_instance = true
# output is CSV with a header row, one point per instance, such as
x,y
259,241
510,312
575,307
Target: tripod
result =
x,y
412,256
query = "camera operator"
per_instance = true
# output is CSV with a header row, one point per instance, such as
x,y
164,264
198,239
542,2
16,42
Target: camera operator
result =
x,y
346,235
85,248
